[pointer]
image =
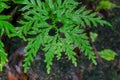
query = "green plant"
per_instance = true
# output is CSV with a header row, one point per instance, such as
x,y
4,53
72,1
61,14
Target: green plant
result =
x,y
3,5
107,54
5,27
55,27
3,56
106,4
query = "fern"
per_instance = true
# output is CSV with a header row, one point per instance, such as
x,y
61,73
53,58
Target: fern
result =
x,y
55,27
3,5
32,48
5,28
3,56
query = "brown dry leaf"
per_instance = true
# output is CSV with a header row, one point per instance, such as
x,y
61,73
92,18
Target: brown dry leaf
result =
x,y
23,76
11,76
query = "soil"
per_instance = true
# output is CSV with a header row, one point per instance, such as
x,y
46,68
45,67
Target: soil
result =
x,y
108,38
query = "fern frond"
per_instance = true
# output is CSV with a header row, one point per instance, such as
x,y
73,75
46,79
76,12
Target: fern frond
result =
x,y
50,52
86,17
3,56
3,5
32,49
54,25
6,27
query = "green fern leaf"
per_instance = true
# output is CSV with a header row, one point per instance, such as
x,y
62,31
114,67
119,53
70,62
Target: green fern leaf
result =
x,y
3,56
7,27
57,27
3,5
32,48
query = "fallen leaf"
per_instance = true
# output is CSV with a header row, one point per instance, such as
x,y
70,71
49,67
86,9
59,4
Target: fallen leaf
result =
x,y
11,76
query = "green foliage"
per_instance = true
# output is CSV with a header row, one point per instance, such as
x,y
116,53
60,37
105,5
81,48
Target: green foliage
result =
x,y
105,4
3,56
20,1
5,27
55,27
93,36
3,5
107,54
